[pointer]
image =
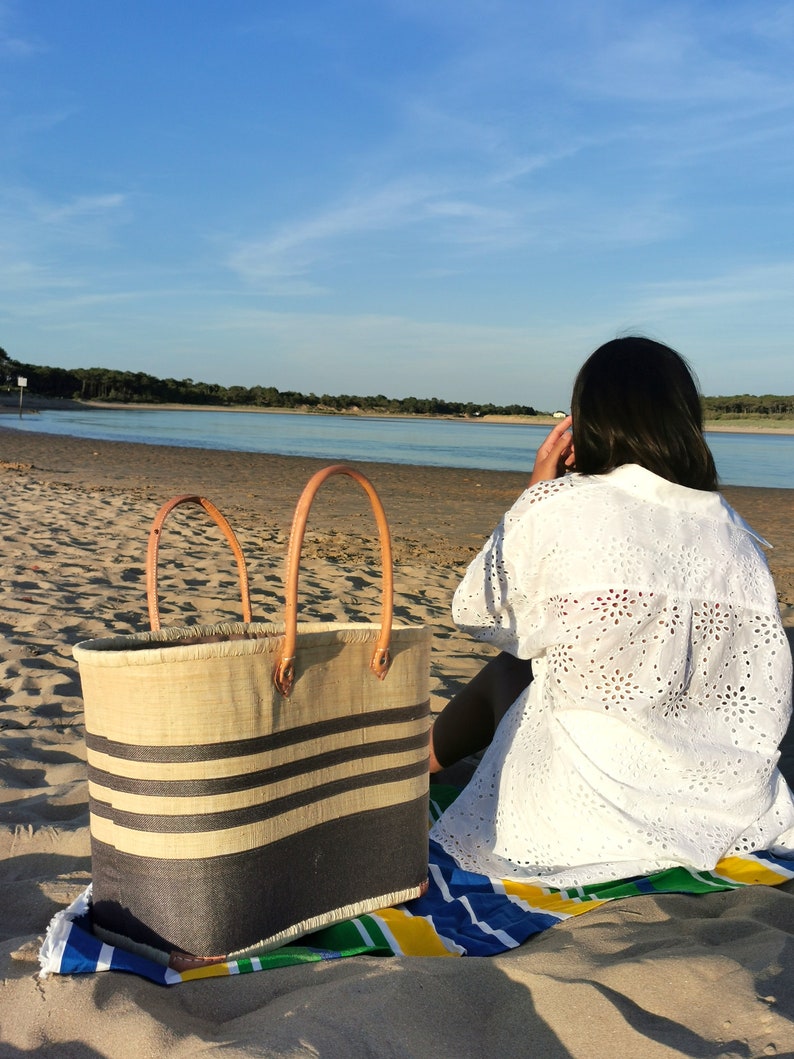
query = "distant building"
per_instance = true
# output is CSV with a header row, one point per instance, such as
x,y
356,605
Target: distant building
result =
x,y
558,415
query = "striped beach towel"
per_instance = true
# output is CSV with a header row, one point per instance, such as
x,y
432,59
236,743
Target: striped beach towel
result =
x,y
462,914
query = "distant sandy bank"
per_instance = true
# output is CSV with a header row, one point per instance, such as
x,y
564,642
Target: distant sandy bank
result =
x,y
749,425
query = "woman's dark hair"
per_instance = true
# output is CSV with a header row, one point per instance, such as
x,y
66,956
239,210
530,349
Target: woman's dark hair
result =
x,y
636,401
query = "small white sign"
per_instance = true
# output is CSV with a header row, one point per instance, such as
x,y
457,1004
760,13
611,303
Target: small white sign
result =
x,y
21,381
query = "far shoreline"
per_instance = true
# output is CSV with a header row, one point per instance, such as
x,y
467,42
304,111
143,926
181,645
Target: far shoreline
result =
x,y
32,405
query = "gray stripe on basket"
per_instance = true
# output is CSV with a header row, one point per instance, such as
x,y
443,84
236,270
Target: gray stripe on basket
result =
x,y
211,905
188,788
256,813
258,745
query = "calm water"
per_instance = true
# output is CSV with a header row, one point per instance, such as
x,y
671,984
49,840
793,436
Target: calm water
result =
x,y
742,459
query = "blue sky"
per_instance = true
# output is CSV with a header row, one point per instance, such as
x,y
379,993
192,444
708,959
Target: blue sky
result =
x,y
454,199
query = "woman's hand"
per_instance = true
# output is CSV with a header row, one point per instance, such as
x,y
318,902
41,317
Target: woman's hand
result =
x,y
555,456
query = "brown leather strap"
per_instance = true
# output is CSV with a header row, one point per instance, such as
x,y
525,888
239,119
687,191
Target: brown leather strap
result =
x,y
284,675
154,548
183,961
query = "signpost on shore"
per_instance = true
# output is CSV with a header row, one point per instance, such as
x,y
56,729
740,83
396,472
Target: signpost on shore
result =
x,y
21,383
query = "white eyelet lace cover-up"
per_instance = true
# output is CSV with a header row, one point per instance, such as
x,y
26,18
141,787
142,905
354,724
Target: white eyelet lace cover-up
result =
x,y
662,686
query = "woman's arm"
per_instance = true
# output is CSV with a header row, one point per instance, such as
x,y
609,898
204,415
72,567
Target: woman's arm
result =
x,y
496,600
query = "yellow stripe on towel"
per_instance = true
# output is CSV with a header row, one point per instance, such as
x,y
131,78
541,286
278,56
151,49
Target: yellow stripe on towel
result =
x,y
539,900
410,935
210,970
749,872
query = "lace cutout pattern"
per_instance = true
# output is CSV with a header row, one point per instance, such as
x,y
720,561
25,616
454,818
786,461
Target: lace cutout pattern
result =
x,y
662,686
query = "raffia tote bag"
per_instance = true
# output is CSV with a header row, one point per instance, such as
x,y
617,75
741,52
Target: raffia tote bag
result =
x,y
251,782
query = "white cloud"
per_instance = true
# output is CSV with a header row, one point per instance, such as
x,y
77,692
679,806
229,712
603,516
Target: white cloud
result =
x,y
774,23
13,45
45,243
278,263
745,286
281,263
16,47
82,206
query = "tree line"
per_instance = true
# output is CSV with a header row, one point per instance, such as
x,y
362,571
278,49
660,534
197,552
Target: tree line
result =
x,y
748,405
128,387
137,387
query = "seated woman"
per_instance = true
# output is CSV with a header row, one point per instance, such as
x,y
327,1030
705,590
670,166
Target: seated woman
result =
x,y
645,678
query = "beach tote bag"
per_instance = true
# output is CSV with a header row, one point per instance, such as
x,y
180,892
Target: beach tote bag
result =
x,y
250,782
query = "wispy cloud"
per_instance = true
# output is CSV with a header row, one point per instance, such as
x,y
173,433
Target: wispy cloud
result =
x,y
37,230
742,287
14,45
518,138
592,69
774,23
83,206
54,256
662,59
281,263
19,274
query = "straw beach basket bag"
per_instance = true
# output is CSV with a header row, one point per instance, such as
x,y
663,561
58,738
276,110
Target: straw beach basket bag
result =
x,y
250,782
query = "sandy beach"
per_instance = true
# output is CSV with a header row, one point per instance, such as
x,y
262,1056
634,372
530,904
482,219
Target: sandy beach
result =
x,y
651,976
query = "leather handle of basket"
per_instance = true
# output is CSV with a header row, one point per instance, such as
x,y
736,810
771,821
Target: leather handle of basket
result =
x,y
153,549
284,675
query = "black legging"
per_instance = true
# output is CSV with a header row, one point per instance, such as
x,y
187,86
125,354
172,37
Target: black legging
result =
x,y
467,723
